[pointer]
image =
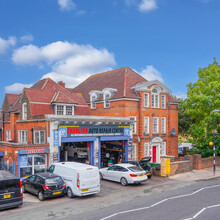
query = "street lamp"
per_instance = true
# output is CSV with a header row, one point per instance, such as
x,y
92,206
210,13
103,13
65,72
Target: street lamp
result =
x,y
213,117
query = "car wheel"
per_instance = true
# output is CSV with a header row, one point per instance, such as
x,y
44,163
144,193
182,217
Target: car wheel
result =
x,y
124,181
101,176
41,196
23,189
69,193
149,176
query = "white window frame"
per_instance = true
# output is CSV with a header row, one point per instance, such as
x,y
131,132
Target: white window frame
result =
x,y
155,125
146,125
163,149
134,125
163,101
39,133
146,149
24,111
163,125
64,109
146,100
59,110
155,98
22,140
69,111
93,99
8,135
107,100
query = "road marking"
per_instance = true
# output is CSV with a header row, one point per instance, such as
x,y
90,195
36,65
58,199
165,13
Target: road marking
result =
x,y
164,200
202,210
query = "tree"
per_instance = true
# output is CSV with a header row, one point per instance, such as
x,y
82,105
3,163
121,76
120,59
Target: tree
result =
x,y
202,98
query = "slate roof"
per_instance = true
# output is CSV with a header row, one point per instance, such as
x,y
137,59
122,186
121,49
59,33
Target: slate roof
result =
x,y
122,79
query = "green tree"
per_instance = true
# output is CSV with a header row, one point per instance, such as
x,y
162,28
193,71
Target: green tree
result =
x,y
202,98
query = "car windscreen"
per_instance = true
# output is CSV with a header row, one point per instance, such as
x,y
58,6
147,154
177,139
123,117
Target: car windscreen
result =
x,y
135,169
9,184
54,180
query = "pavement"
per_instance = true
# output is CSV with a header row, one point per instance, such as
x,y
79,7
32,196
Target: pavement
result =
x,y
198,175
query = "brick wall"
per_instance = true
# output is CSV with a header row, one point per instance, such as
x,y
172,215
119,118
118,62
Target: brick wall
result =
x,y
201,163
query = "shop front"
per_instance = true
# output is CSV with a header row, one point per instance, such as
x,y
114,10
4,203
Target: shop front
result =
x,y
32,161
99,145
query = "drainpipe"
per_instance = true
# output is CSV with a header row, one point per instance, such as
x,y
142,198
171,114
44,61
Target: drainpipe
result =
x,y
32,130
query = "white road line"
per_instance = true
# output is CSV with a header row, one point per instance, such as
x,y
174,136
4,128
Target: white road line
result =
x,y
164,200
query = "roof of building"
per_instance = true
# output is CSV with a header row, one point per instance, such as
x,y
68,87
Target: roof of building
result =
x,y
12,98
172,99
122,79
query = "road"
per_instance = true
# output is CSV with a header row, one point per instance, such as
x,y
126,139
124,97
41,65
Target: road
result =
x,y
158,198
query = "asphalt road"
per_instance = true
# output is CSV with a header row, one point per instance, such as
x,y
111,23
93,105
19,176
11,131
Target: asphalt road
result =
x,y
151,200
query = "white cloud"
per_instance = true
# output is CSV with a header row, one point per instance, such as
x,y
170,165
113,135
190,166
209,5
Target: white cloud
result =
x,y
27,38
66,5
147,5
150,73
6,44
16,88
69,62
180,95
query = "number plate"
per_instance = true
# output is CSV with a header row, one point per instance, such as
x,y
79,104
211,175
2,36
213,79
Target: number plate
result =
x,y
141,175
56,193
84,190
7,196
148,173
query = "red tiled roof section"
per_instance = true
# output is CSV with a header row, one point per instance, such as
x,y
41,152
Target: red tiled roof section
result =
x,y
16,105
121,79
12,98
41,109
173,99
44,91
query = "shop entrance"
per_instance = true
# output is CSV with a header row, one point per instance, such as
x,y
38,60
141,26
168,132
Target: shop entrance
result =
x,y
1,163
75,151
112,152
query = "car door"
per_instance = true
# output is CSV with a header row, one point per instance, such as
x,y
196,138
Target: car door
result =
x,y
37,185
110,173
29,183
119,173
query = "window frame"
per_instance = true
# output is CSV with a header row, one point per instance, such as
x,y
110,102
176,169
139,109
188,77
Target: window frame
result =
x,y
25,136
148,129
39,133
163,125
8,135
157,125
146,100
163,149
155,98
163,101
24,111
107,100
93,103
134,125
146,149
64,109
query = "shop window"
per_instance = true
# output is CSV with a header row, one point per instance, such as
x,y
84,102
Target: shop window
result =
x,y
24,111
146,125
155,125
106,100
39,137
146,99
163,149
146,150
163,101
154,98
133,125
8,135
163,125
22,137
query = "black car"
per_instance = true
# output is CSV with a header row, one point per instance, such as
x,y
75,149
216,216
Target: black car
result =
x,y
44,185
144,164
10,190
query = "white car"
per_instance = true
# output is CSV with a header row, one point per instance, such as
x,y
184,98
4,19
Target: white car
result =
x,y
77,150
124,173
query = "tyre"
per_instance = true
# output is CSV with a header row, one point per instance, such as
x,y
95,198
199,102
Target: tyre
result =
x,y
23,189
149,176
41,196
124,181
69,193
101,176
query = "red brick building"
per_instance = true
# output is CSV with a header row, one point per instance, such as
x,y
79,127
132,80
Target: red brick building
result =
x,y
124,93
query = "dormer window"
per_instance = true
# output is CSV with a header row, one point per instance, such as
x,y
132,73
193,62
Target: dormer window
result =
x,y
106,100
64,110
94,94
155,97
60,110
93,99
24,111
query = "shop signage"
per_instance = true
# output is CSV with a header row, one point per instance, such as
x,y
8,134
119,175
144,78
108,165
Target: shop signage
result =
x,y
23,160
72,131
34,151
56,138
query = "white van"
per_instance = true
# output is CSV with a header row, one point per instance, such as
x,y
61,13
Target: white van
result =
x,y
81,179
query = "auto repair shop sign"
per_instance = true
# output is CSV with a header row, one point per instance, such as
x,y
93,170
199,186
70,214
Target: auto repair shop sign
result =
x,y
73,131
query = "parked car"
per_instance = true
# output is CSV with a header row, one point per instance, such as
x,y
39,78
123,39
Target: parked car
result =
x,y
10,190
144,164
77,150
44,185
81,179
124,173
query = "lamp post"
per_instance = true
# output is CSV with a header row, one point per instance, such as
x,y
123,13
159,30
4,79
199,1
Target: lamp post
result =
x,y
213,117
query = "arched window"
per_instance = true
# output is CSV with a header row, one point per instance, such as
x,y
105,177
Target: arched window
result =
x,y
155,97
24,111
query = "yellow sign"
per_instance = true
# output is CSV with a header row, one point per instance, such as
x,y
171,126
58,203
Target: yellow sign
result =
x,y
210,143
168,166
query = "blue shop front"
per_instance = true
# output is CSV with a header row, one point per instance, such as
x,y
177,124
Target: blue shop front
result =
x,y
99,145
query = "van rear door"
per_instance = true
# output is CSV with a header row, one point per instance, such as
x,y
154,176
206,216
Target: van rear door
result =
x,y
89,178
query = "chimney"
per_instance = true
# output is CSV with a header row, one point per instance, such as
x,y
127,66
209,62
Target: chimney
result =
x,y
61,83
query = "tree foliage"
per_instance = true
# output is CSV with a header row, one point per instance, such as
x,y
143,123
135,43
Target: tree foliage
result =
x,y
203,97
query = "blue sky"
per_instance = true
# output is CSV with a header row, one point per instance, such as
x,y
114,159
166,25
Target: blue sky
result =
x,y
69,40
